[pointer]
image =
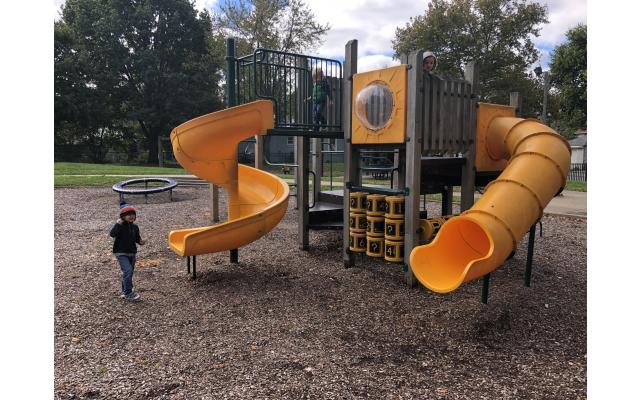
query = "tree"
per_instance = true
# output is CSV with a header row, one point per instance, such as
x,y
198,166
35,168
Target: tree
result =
x,y
497,34
569,76
285,25
151,62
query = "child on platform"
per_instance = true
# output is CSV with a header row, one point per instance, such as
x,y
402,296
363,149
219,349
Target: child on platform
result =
x,y
321,96
429,62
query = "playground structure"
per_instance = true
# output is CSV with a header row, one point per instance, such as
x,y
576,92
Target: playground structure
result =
x,y
440,136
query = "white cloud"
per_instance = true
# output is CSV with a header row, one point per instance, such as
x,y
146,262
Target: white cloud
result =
x,y
208,4
562,15
374,22
378,61
57,5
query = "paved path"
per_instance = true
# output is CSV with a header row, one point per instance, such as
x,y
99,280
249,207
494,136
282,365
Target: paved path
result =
x,y
568,203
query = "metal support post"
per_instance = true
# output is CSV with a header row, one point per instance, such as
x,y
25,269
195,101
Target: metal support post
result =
x,y
532,240
233,256
468,180
259,152
545,80
351,159
447,200
215,208
231,101
316,166
515,100
415,98
485,288
302,188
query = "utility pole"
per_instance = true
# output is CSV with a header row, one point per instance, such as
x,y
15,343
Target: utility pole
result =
x,y
545,81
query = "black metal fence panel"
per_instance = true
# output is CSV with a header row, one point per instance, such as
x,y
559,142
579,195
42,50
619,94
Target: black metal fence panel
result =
x,y
306,91
577,172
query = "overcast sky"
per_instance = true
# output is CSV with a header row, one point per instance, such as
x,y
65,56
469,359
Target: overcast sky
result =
x,y
373,24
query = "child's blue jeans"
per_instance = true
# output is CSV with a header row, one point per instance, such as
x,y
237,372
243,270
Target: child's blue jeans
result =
x,y
127,263
318,115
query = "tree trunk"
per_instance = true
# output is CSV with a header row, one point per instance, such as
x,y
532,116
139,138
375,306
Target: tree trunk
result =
x,y
151,133
152,145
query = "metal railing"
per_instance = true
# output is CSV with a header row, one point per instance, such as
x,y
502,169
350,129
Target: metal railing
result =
x,y
306,91
577,172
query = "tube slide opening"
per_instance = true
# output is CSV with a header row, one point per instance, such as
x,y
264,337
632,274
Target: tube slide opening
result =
x,y
442,265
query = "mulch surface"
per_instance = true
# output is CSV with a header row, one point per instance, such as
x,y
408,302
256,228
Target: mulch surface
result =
x,y
290,324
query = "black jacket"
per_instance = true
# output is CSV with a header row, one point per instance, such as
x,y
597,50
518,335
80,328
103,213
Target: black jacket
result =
x,y
127,234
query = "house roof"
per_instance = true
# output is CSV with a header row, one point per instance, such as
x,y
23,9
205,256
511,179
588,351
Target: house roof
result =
x,y
578,141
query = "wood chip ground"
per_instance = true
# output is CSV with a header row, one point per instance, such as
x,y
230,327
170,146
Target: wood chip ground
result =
x,y
290,324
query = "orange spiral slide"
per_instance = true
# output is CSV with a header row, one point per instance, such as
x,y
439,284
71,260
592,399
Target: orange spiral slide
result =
x,y
207,147
480,239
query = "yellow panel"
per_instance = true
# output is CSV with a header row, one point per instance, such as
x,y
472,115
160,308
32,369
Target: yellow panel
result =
x,y
486,113
394,132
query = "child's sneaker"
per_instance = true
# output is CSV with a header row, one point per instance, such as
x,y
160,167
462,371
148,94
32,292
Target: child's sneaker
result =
x,y
132,296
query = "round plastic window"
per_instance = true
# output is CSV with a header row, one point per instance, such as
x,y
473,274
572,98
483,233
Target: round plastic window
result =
x,y
374,104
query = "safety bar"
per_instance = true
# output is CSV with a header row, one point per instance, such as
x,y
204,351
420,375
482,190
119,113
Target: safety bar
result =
x,y
378,190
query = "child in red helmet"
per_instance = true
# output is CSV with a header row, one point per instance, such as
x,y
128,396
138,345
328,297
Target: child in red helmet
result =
x,y
126,235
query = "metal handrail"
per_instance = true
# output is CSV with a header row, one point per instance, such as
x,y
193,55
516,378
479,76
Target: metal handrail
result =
x,y
313,189
288,69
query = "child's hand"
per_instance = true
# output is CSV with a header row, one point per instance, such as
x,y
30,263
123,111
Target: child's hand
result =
x,y
142,242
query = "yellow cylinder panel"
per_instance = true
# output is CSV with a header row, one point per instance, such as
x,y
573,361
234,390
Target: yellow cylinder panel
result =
x,y
428,229
376,204
394,229
375,225
357,202
357,242
375,246
394,207
393,251
358,222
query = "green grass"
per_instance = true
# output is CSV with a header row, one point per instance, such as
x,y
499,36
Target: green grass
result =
x,y
576,186
63,172
84,174
66,168
75,181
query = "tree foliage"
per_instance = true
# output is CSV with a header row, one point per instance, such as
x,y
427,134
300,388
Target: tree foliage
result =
x,y
569,77
497,34
127,66
286,25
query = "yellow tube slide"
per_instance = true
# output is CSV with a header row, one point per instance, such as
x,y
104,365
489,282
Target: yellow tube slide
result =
x,y
207,147
480,239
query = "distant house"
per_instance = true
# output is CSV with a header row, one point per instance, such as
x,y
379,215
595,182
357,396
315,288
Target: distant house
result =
x,y
579,148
